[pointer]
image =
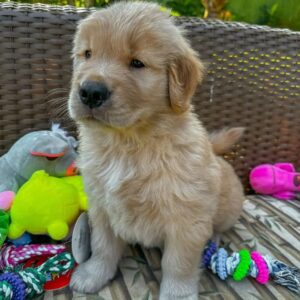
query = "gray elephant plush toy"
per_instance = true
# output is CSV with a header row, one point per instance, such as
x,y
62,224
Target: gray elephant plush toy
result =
x,y
50,150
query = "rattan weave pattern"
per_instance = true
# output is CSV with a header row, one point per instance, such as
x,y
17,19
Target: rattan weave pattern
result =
x,y
252,79
35,43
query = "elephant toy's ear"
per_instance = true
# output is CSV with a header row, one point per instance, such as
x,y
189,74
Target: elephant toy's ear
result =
x,y
58,131
73,142
49,146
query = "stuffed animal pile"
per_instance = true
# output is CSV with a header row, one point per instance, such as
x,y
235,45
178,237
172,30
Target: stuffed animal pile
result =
x,y
50,150
41,197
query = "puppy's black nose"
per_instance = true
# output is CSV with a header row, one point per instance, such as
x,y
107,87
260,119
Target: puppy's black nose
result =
x,y
93,93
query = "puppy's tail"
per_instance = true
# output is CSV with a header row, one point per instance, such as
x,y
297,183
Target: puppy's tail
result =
x,y
224,139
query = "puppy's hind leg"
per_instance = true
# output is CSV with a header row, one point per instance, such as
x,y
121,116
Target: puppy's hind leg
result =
x,y
231,199
107,249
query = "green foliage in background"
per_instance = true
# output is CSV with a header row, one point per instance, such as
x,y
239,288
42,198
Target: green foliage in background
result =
x,y
184,7
275,13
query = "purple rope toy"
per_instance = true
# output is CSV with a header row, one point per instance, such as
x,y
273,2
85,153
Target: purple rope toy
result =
x,y
18,286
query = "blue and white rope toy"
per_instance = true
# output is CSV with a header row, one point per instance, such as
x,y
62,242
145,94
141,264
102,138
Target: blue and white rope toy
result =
x,y
243,263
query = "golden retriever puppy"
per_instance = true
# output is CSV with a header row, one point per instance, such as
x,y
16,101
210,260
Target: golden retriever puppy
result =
x,y
148,164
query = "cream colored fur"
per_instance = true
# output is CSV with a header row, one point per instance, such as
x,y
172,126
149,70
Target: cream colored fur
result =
x,y
148,164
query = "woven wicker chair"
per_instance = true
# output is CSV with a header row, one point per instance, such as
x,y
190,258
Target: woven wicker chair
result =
x,y
252,81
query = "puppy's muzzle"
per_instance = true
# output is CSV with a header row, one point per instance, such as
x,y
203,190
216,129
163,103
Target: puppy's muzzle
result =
x,y
94,93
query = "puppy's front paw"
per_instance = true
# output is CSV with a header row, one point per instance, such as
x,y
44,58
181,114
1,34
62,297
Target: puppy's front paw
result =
x,y
91,276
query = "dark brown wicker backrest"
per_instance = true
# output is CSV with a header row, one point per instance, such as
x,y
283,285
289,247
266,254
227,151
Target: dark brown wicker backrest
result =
x,y
252,79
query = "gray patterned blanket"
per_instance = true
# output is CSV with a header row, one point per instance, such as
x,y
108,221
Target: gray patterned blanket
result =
x,y
268,225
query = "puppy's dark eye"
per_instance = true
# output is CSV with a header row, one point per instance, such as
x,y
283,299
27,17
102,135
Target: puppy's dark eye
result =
x,y
135,63
87,54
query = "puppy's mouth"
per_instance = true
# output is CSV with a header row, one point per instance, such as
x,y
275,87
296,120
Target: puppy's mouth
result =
x,y
95,114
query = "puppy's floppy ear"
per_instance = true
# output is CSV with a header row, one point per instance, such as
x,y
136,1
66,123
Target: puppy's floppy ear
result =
x,y
185,72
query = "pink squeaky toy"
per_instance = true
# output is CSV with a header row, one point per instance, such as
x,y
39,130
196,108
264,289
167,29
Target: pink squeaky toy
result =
x,y
280,180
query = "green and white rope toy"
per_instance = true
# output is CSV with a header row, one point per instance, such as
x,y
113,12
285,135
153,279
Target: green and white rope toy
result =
x,y
27,283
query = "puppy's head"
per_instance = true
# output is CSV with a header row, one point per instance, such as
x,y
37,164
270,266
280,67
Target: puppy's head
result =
x,y
131,63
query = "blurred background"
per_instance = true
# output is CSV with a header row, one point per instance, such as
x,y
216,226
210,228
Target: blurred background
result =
x,y
275,13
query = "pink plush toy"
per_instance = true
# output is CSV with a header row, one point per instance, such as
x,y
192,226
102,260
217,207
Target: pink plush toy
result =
x,y
280,180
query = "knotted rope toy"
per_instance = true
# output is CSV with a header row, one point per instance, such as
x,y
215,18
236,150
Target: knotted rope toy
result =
x,y
10,256
243,263
27,283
